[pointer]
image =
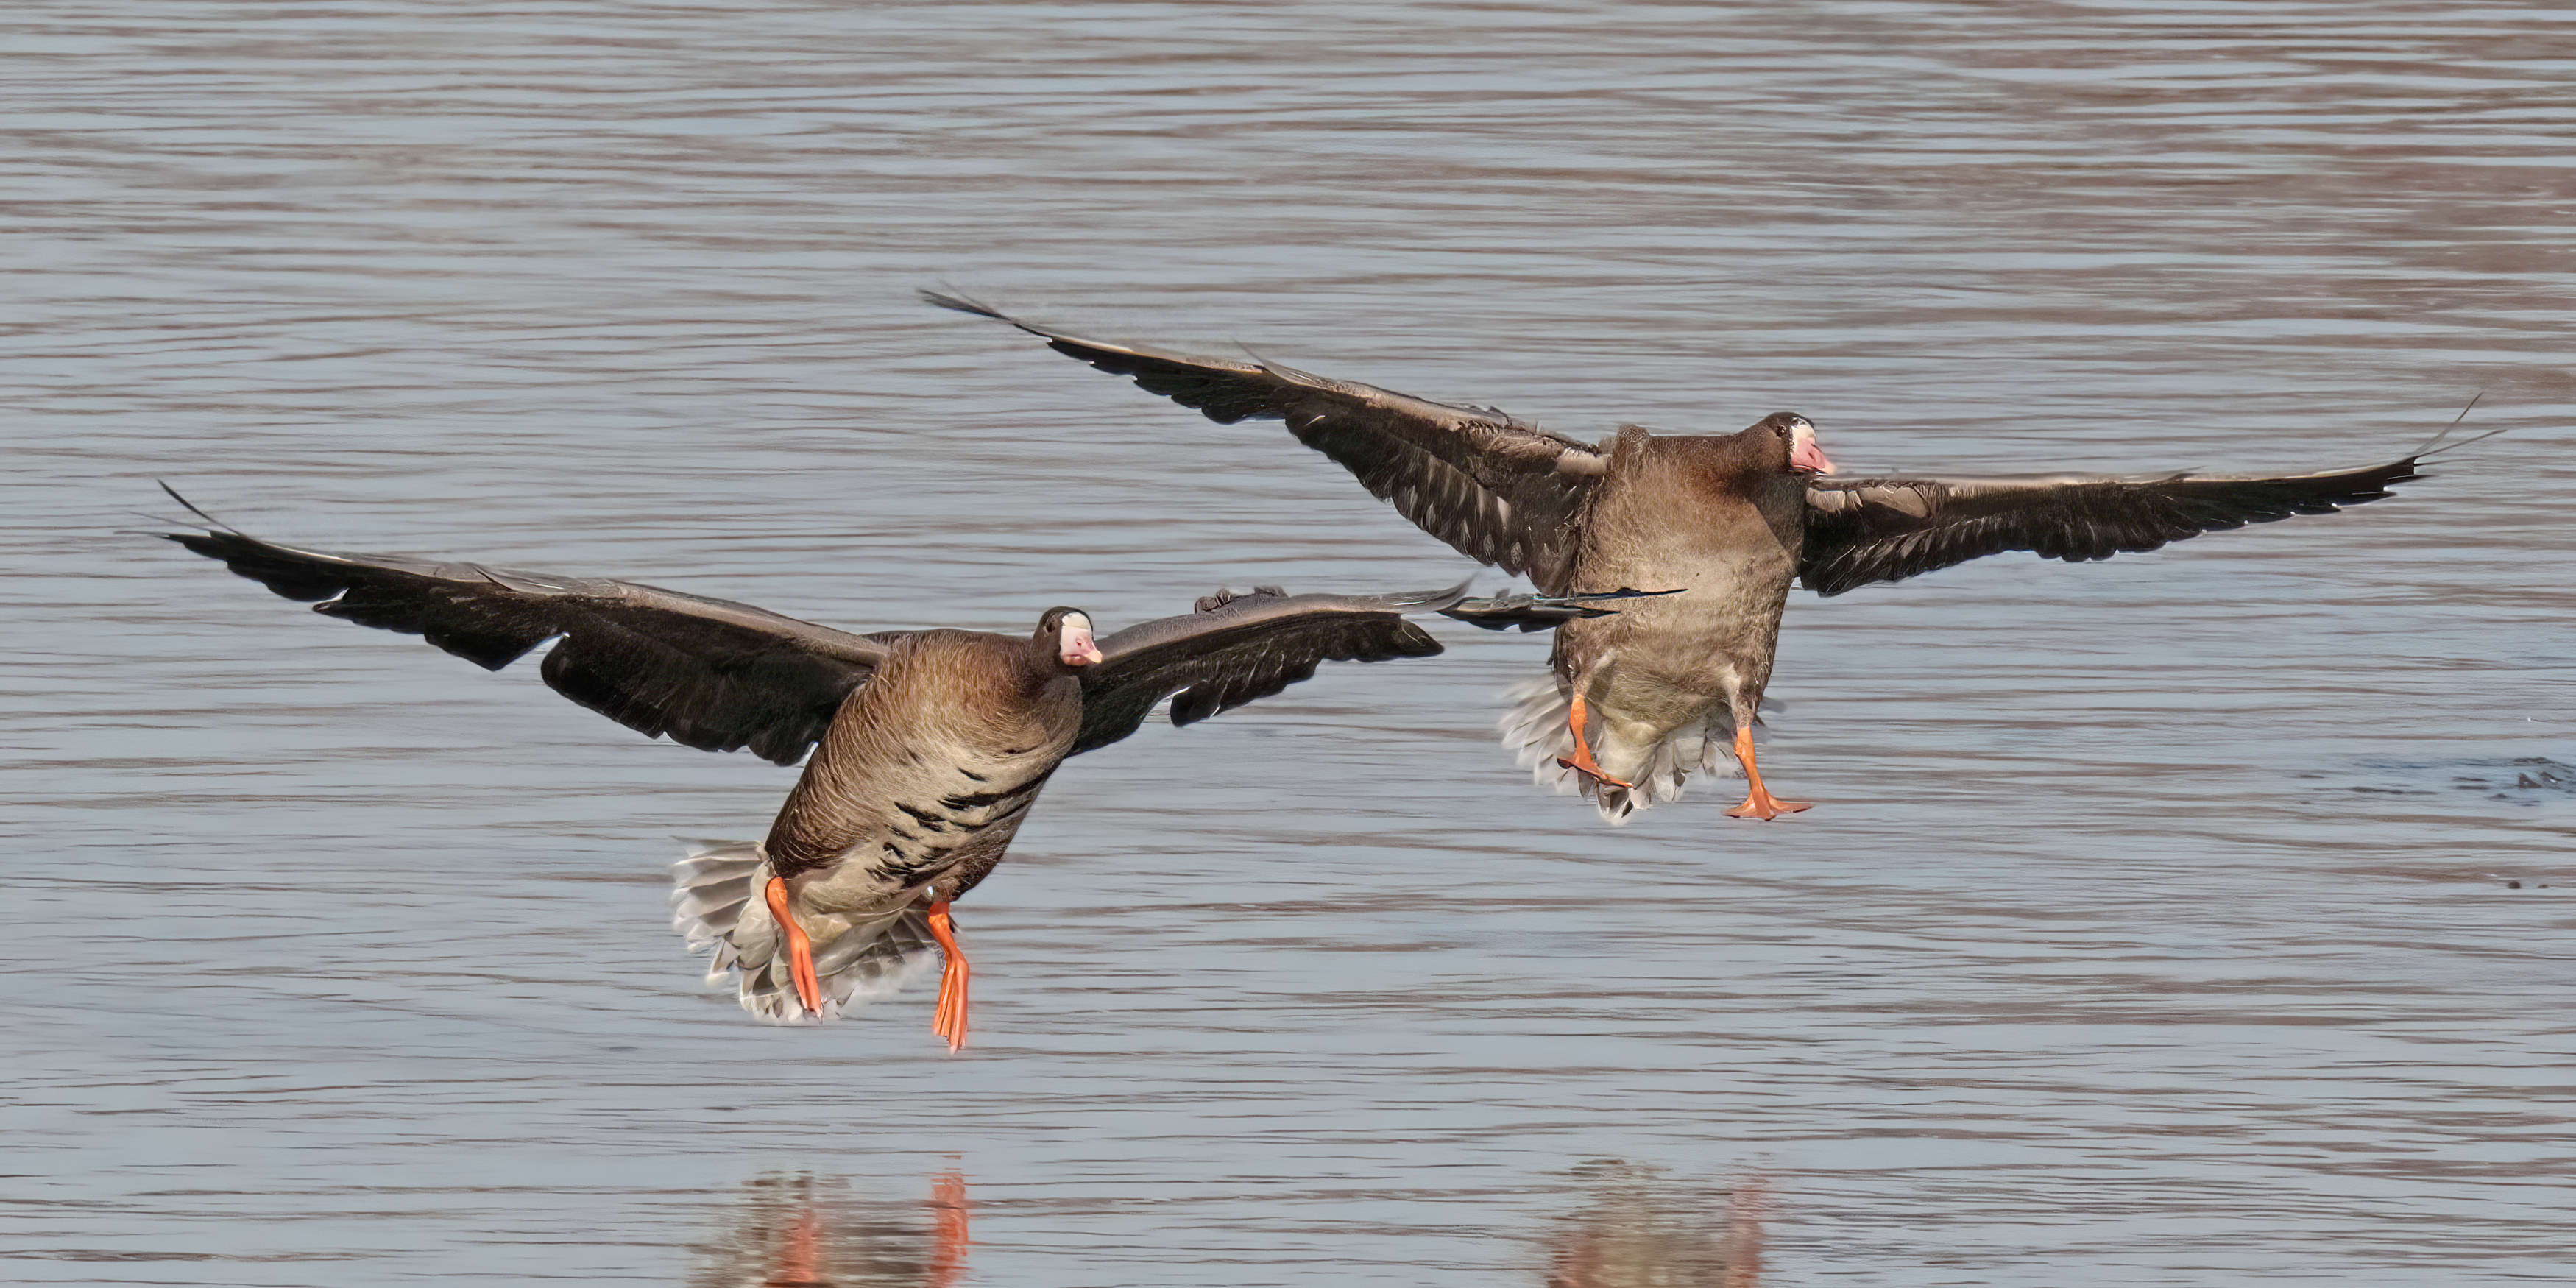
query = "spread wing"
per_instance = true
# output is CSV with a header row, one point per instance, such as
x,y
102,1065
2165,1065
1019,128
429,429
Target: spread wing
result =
x,y
1235,649
1889,529
1499,490
707,673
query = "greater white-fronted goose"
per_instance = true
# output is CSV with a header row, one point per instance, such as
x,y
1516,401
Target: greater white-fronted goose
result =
x,y
929,746
1641,698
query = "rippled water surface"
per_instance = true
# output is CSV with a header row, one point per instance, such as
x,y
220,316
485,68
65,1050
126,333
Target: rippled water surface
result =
x,y
2157,924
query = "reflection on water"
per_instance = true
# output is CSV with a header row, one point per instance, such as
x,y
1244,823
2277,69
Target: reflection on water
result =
x,y
1637,1227
1643,1229
797,1230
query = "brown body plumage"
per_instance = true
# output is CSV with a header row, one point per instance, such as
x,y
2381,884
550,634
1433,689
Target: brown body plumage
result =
x,y
1718,517
910,799
939,744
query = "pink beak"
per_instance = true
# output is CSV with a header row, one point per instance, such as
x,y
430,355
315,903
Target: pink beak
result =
x,y
1080,651
1809,457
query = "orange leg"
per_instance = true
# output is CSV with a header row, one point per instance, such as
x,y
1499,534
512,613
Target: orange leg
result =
x,y
800,950
949,1020
1582,761
1758,800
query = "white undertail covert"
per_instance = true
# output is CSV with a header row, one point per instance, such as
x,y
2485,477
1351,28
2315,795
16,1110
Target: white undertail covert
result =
x,y
1536,732
715,903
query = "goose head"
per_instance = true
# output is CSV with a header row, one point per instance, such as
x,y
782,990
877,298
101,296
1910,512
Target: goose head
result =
x,y
1793,438
1064,637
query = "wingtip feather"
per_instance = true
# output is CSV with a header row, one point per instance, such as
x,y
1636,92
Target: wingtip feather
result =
x,y
1449,597
191,506
960,302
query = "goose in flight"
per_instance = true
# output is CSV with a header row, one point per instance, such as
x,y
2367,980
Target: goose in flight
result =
x,y
929,746
1641,698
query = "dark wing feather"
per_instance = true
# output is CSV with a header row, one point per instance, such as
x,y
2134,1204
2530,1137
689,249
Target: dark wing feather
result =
x,y
706,673
1236,649
1888,529
1543,612
1499,490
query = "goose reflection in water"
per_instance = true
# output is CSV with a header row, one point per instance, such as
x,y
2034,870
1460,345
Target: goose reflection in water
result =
x,y
1641,1229
800,1231
1638,1229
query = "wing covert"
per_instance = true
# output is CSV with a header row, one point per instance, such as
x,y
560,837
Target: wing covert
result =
x,y
1238,648
1498,490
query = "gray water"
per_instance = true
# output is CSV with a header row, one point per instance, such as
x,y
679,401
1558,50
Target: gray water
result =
x,y
2156,923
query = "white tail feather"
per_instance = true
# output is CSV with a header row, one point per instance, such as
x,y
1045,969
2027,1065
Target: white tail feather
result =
x,y
713,905
1536,731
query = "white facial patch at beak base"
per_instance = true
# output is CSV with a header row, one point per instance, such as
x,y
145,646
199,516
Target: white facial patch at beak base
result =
x,y
1803,452
1073,641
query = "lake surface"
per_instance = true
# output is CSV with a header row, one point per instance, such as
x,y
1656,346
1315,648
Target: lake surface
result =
x,y
2157,922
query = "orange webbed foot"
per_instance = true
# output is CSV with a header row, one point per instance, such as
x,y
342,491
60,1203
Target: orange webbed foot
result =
x,y
948,1019
1767,807
1581,761
800,950
1582,764
1759,803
